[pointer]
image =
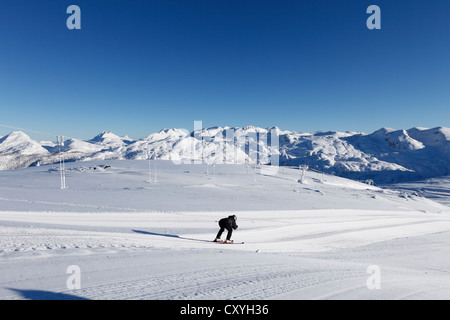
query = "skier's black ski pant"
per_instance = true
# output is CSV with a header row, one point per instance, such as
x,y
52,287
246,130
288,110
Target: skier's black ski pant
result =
x,y
222,229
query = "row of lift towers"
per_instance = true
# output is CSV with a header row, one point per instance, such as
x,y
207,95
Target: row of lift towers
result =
x,y
62,167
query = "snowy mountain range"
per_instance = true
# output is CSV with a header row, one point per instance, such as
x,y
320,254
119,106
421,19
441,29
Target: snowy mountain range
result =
x,y
384,156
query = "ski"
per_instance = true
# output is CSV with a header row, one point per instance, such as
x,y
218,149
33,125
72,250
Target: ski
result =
x,y
223,242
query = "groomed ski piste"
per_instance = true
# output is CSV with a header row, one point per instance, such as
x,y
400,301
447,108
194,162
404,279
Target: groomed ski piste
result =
x,y
144,230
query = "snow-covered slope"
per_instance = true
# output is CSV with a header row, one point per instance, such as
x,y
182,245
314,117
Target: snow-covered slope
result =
x,y
437,189
135,239
431,137
190,187
384,156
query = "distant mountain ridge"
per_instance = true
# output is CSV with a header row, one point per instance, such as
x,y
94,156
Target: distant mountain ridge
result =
x,y
385,156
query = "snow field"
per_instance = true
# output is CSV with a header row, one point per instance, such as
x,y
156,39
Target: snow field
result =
x,y
138,240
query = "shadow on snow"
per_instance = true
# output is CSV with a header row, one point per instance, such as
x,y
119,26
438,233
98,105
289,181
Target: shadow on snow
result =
x,y
45,295
168,235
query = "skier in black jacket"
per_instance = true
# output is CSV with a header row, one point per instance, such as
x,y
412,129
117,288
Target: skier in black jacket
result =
x,y
229,224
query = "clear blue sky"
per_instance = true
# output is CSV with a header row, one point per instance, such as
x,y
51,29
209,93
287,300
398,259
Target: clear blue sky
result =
x,y
138,66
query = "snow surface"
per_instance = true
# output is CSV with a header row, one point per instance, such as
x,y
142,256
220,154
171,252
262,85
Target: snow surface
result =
x,y
140,238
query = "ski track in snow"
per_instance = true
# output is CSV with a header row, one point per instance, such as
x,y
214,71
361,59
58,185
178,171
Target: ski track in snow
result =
x,y
256,277
211,274
196,269
307,231
248,282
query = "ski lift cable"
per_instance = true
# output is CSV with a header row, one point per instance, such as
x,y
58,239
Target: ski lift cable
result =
x,y
28,130
33,131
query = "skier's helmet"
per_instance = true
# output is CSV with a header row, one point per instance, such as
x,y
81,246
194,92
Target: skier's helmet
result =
x,y
233,216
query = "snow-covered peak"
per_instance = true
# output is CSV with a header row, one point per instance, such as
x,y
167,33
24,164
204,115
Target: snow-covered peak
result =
x,y
105,135
398,139
16,135
19,142
110,139
167,134
253,129
431,137
79,146
382,133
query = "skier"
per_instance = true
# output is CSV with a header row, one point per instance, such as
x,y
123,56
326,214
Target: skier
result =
x,y
229,224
